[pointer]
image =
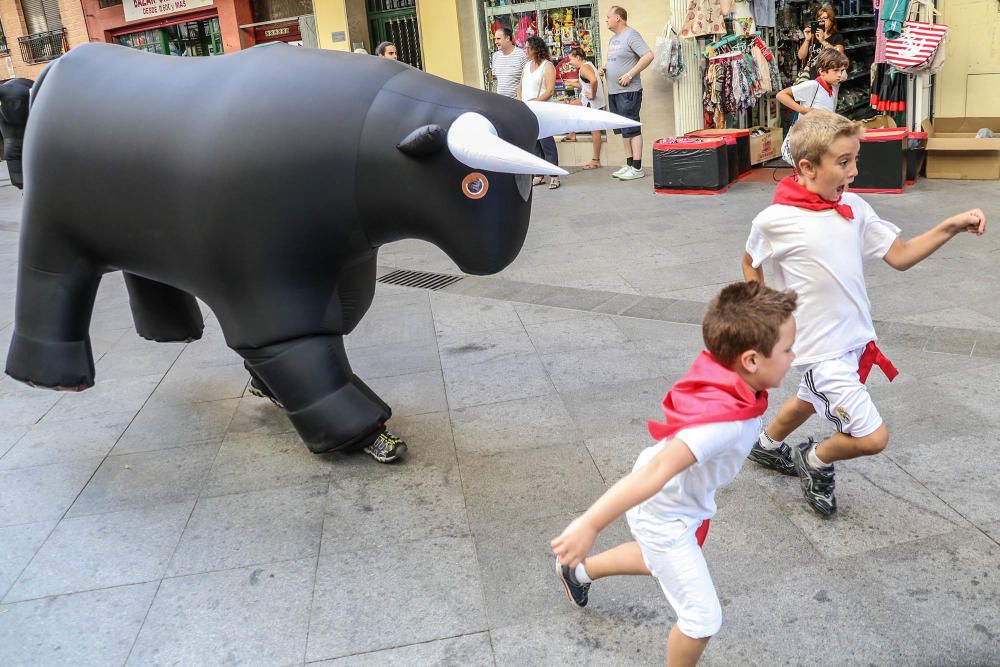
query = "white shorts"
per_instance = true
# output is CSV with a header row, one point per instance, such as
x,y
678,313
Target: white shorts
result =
x,y
836,393
679,565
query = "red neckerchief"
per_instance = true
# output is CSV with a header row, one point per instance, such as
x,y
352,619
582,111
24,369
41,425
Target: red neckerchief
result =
x,y
827,87
708,393
792,193
872,356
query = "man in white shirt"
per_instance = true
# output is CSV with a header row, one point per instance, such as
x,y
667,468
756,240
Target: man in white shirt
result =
x,y
507,63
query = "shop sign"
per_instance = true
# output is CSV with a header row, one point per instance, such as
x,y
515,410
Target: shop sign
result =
x,y
278,32
141,10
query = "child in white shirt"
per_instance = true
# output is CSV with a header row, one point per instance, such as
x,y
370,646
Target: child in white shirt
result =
x,y
712,414
818,93
817,236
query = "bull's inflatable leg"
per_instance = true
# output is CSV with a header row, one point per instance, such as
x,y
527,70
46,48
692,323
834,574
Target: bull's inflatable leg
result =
x,y
51,345
329,406
161,312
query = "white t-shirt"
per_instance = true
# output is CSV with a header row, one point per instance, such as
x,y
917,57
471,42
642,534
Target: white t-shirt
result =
x,y
819,254
533,82
689,497
812,94
507,70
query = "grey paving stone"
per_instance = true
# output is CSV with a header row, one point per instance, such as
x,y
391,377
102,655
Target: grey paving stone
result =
x,y
208,352
686,312
407,503
455,314
617,304
878,505
103,550
197,385
635,637
256,528
987,345
59,442
902,334
113,396
20,543
348,597
532,314
615,455
9,437
94,628
519,577
911,604
953,341
43,492
130,360
465,349
465,651
575,334
146,479
571,371
395,320
580,299
177,425
413,394
391,360
492,382
649,308
611,409
21,405
558,479
258,463
258,416
527,423
255,615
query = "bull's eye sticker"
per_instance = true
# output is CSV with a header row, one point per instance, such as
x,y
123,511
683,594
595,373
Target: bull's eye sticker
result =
x,y
475,185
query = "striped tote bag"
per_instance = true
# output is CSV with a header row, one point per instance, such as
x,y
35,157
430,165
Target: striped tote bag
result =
x,y
916,44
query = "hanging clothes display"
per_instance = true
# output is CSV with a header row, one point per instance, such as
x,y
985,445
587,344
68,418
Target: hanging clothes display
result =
x,y
705,17
888,89
739,71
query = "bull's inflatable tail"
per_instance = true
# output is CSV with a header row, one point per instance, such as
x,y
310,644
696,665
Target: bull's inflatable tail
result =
x,y
15,96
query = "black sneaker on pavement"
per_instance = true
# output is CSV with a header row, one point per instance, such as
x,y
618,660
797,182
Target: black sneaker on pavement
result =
x,y
817,483
386,448
576,592
258,389
779,459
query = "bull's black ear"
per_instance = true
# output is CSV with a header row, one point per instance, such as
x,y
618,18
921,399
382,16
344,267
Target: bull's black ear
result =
x,y
424,141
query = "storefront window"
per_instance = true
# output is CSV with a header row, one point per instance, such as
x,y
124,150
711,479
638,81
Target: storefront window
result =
x,y
562,24
193,38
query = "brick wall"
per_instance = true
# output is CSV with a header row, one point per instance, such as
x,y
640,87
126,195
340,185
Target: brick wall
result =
x,y
13,27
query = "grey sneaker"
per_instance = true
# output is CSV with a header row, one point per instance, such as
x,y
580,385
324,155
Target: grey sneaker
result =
x,y
386,448
258,389
817,483
577,593
779,459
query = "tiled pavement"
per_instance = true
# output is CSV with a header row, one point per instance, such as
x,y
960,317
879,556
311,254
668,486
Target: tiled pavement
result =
x,y
165,517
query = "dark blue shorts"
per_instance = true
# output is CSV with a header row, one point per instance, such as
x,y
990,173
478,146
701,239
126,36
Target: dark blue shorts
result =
x,y
628,105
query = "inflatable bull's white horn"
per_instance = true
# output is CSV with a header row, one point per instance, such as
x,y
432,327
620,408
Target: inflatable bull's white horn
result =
x,y
556,119
473,141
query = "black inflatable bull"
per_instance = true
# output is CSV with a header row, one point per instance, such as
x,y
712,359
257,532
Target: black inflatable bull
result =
x,y
262,182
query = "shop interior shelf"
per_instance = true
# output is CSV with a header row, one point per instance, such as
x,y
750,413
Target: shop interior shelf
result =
x,y
525,7
855,47
854,107
856,16
867,28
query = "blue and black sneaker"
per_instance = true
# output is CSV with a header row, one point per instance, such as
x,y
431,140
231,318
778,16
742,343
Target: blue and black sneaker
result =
x,y
817,483
576,592
779,458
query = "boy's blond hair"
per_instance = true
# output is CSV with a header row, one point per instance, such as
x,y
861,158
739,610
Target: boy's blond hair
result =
x,y
814,132
745,316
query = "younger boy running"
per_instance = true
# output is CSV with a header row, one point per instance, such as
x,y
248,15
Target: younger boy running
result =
x,y
817,237
712,417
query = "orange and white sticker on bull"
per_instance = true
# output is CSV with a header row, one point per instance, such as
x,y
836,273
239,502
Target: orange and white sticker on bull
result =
x,y
475,185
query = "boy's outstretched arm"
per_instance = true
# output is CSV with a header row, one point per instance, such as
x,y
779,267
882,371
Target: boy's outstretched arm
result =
x,y
576,541
903,255
751,274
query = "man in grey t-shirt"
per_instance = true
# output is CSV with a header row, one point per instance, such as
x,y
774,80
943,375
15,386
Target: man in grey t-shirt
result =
x,y
628,55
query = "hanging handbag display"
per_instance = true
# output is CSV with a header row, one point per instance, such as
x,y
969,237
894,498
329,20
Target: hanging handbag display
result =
x,y
917,43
